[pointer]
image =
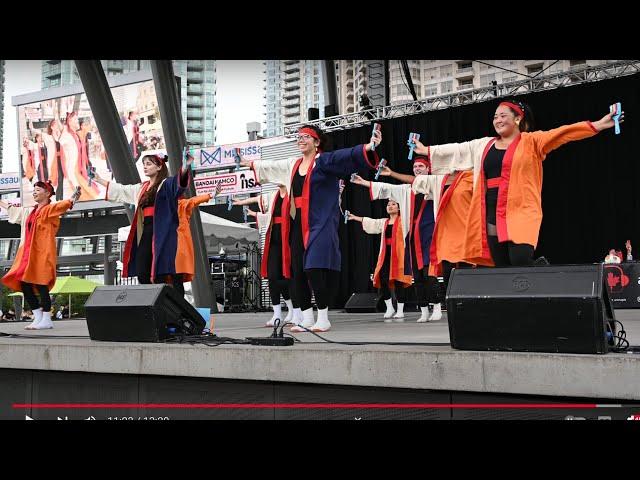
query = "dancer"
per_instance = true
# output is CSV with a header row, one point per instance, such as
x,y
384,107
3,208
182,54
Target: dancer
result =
x,y
34,268
185,268
389,273
276,256
151,248
417,234
312,185
506,208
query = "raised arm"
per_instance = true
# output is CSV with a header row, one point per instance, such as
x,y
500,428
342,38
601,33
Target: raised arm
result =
x,y
387,172
14,212
373,225
59,208
346,160
380,190
355,217
200,199
246,201
270,171
116,192
427,184
549,140
452,156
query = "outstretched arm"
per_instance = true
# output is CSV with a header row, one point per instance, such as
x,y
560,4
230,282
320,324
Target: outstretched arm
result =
x,y
341,163
387,172
452,156
373,225
355,217
246,201
549,140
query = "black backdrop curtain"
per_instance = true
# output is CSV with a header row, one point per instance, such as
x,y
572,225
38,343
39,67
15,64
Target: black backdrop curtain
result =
x,y
590,199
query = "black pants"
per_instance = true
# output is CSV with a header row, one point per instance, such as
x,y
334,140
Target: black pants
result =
x,y
385,284
32,300
507,254
278,285
504,254
178,283
447,267
144,253
425,285
299,287
321,279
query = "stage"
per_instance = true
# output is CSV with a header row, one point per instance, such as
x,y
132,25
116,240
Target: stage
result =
x,y
78,370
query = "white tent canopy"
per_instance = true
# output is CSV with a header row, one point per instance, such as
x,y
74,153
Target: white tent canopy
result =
x,y
216,230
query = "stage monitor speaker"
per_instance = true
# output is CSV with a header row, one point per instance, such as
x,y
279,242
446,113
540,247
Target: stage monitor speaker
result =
x,y
313,114
140,313
555,309
362,303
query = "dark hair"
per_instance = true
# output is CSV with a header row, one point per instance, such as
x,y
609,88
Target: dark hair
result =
x,y
527,122
324,140
428,160
45,186
149,197
50,126
69,115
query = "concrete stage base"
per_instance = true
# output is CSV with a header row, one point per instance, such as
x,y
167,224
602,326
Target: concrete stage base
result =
x,y
78,370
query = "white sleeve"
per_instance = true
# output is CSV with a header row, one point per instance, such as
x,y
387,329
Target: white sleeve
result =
x,y
123,193
450,157
381,190
427,184
373,225
272,171
15,214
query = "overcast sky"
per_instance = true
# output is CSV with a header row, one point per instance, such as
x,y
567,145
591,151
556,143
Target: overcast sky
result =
x,y
239,97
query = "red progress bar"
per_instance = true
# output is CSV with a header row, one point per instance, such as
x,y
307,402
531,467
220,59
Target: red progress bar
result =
x,y
307,405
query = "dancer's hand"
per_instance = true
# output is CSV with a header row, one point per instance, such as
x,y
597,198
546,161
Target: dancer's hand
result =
x,y
76,195
607,121
628,245
97,178
420,148
386,171
354,217
376,139
188,160
252,213
358,180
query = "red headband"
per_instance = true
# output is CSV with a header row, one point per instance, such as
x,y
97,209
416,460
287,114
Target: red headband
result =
x,y
515,107
158,159
424,160
309,131
46,185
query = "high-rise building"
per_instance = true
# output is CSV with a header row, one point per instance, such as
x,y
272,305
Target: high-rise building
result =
x,y
434,77
197,81
440,77
361,84
292,87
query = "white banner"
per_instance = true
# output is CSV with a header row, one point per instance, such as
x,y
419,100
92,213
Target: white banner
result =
x,y
236,183
9,182
224,156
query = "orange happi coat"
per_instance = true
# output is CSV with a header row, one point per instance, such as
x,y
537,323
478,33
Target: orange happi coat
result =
x,y
35,261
